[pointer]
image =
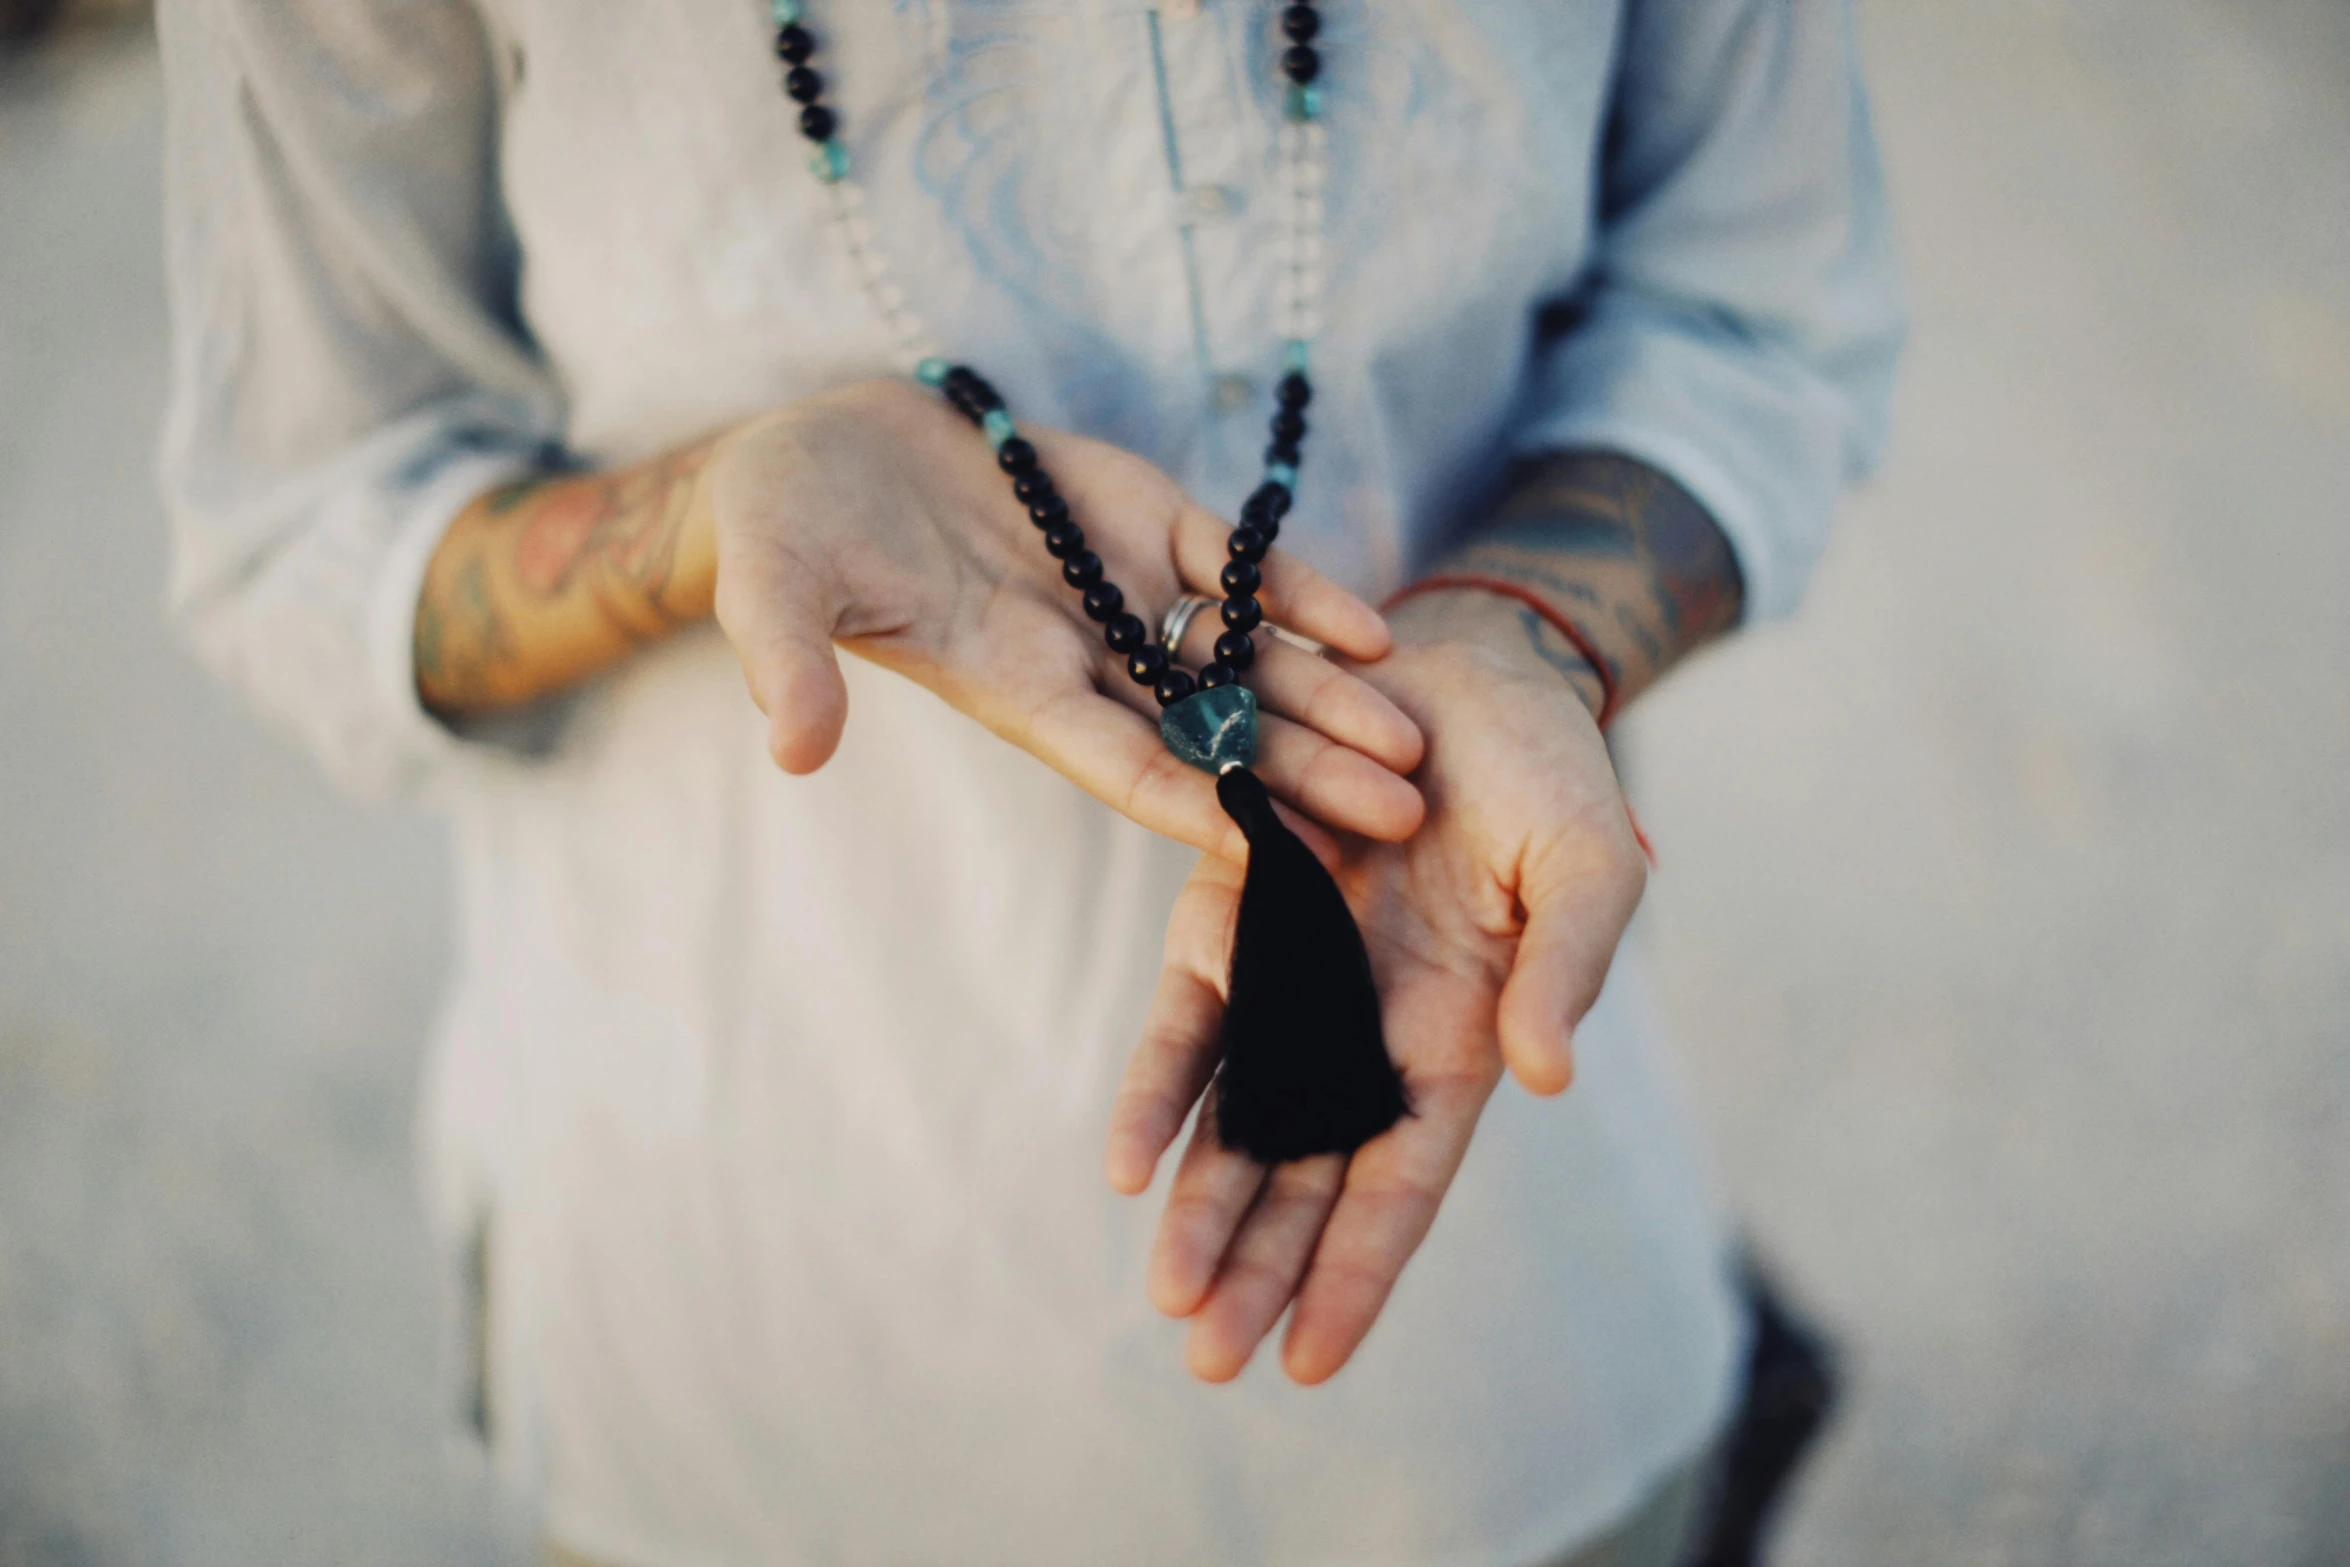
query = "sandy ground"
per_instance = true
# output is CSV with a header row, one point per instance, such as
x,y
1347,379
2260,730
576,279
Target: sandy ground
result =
x,y
2005,903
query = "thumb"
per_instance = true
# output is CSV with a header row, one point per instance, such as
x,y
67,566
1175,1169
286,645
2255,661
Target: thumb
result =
x,y
779,618
1574,921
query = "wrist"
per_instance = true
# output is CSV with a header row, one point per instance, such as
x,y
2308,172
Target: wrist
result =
x,y
692,588
1505,622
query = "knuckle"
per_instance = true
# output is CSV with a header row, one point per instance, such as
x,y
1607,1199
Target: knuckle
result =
x,y
1159,773
1627,873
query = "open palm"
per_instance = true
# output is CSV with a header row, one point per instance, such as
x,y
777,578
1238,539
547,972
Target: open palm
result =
x,y
1490,932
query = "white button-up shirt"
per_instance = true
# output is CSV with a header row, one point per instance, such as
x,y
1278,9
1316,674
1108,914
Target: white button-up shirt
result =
x,y
770,1108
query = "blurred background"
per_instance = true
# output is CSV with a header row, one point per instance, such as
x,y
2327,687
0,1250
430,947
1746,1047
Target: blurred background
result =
x,y
2004,908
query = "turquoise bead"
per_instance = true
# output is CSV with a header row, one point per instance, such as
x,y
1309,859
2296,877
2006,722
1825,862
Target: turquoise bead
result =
x,y
932,371
787,12
830,162
1214,730
1302,102
1282,473
997,427
1293,355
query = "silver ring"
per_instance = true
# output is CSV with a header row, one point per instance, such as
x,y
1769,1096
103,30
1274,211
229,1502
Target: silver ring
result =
x,y
1177,621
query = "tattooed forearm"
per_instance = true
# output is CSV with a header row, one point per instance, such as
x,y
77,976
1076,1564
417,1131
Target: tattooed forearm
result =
x,y
542,583
1619,551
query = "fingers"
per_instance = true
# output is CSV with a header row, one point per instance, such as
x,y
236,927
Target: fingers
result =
x,y
1578,903
1171,1066
1109,750
1393,1188
1327,740
1329,778
779,617
1293,593
1164,1078
1212,1190
1317,694
1336,784
1261,1269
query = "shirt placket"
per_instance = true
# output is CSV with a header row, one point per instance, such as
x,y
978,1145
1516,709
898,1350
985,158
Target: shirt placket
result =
x,y
1198,68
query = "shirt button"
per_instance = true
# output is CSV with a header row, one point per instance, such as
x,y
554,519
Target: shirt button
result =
x,y
1209,203
1232,393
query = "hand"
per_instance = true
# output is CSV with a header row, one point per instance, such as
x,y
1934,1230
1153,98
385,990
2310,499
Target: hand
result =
x,y
876,518
1490,932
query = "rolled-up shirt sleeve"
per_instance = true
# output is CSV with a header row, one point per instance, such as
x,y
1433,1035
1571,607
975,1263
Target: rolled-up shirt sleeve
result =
x,y
346,370
1740,321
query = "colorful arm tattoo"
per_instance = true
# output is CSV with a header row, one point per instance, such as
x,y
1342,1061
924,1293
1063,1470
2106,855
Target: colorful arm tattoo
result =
x,y
542,583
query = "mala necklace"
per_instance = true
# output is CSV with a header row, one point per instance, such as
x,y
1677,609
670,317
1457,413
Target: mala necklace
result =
x,y
1305,1067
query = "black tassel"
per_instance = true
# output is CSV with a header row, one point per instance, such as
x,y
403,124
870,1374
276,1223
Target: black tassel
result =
x,y
1305,1063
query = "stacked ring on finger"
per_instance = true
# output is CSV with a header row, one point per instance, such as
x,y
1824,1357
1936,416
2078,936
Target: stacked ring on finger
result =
x,y
1175,625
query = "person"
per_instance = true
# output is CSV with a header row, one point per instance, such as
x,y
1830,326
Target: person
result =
x,y
531,400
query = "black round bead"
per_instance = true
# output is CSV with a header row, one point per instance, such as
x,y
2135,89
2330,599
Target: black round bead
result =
x,y
1300,24
1032,486
1283,452
806,84
1063,540
968,389
1125,633
1248,542
1214,675
817,122
795,43
1103,600
1048,511
1082,570
1243,613
1146,664
1234,648
1269,502
1173,687
1300,64
1015,455
1289,425
1241,578
1295,391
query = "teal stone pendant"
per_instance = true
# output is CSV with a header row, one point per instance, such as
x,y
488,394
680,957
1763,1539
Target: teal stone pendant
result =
x,y
1214,730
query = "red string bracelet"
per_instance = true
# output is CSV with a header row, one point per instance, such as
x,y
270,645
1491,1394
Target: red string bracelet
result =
x,y
1478,583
